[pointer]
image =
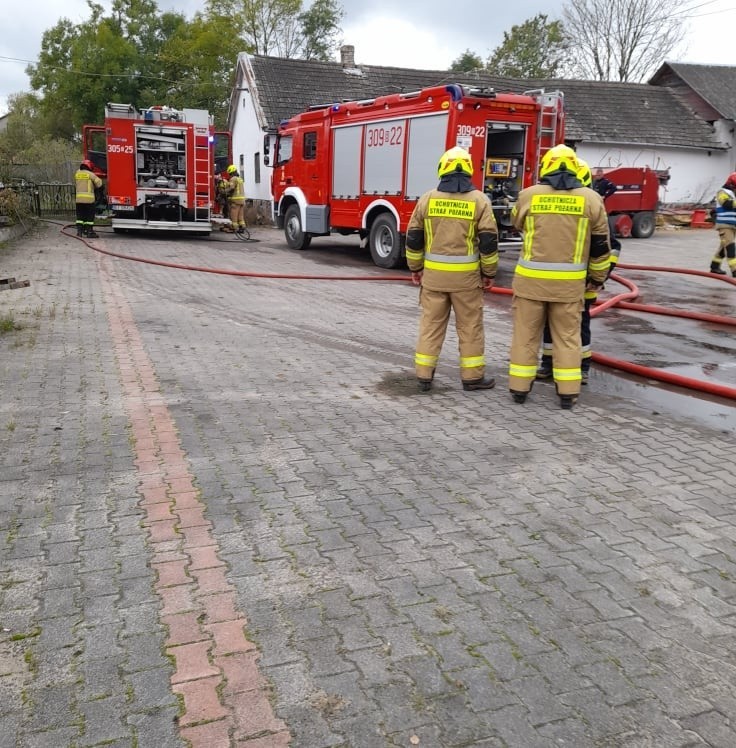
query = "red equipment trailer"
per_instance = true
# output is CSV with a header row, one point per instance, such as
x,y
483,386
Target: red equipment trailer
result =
x,y
632,209
159,165
360,166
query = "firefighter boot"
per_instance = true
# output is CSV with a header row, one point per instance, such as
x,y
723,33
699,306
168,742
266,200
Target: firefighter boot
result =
x,y
585,373
425,385
567,401
80,230
544,371
91,233
485,383
716,268
519,396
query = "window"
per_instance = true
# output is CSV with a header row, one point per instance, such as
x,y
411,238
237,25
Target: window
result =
x,y
310,146
283,149
257,168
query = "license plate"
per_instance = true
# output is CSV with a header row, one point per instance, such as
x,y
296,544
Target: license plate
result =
x,y
123,207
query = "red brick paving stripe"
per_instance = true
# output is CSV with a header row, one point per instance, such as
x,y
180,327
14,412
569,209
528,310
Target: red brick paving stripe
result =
x,y
226,699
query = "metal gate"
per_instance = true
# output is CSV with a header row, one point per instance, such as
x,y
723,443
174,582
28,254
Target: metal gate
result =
x,y
46,199
54,199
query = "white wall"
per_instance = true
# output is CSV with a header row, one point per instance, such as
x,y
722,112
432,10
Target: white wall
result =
x,y
248,141
695,173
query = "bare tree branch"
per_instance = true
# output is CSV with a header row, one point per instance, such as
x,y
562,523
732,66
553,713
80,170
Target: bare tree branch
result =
x,y
624,40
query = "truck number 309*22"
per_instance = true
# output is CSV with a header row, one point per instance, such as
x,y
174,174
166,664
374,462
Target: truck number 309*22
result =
x,y
377,137
478,131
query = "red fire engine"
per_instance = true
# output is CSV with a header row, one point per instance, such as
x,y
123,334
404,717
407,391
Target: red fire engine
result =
x,y
159,165
359,167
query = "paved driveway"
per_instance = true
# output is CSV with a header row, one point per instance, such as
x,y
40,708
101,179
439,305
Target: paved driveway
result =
x,y
228,518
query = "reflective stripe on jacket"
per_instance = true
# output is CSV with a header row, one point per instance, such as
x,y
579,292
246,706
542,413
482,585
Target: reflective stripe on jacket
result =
x,y
555,260
726,216
84,185
448,225
237,195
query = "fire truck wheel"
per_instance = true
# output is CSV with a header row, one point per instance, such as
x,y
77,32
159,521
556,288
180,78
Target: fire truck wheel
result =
x,y
643,225
385,242
296,238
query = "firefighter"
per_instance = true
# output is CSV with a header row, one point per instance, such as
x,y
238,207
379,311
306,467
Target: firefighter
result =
x,y
235,191
726,226
85,183
221,189
591,294
452,252
565,251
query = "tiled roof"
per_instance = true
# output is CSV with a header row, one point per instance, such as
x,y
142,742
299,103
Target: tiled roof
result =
x,y
598,112
714,83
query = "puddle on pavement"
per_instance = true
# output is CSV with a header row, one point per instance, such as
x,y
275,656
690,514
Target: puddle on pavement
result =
x,y
402,384
655,397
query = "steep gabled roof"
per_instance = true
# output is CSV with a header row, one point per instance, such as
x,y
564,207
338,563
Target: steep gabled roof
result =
x,y
715,84
598,112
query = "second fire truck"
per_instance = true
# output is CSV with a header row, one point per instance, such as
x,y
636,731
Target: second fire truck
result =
x,y
360,167
159,165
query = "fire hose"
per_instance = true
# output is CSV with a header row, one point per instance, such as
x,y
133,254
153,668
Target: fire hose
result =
x,y
622,300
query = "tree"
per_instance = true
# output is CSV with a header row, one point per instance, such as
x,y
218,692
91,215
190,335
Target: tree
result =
x,y
533,49
467,63
622,40
320,30
108,58
283,29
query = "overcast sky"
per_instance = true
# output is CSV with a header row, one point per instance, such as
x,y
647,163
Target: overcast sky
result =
x,y
408,33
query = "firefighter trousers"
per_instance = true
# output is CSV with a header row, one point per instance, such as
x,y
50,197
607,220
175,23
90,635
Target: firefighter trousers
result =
x,y
436,307
585,339
236,213
529,317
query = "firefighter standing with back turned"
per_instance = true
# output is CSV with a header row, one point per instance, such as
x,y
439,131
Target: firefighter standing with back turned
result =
x,y
591,294
565,250
452,251
85,182
726,227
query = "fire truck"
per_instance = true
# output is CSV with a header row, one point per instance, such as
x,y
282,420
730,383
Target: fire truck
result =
x,y
360,166
159,165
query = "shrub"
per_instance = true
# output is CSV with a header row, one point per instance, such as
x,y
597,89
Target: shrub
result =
x,y
13,206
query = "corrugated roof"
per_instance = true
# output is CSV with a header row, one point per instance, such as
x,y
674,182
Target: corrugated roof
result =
x,y
714,83
599,112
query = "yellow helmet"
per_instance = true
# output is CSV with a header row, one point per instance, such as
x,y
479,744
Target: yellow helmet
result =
x,y
232,169
456,159
584,175
558,158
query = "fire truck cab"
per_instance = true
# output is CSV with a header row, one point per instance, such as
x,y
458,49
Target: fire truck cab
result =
x,y
159,166
360,167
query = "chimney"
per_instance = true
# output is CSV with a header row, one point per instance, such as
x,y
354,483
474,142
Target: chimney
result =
x,y
347,56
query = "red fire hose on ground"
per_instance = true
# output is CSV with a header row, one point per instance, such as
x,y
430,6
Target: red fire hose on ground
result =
x,y
623,300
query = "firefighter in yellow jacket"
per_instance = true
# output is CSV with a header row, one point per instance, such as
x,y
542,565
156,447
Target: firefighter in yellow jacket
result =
x,y
235,191
591,294
565,251
452,251
85,182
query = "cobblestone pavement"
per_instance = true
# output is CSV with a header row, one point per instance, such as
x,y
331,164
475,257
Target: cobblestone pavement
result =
x,y
227,518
